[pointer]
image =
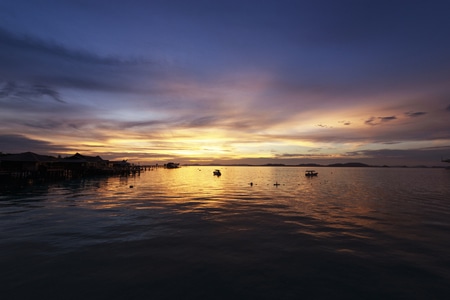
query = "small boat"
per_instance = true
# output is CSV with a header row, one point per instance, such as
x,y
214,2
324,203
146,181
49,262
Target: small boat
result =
x,y
310,173
172,165
217,173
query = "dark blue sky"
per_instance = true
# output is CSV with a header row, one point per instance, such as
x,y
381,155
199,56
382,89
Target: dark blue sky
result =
x,y
210,81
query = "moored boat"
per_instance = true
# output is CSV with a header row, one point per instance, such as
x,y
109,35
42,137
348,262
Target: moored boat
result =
x,y
310,173
172,165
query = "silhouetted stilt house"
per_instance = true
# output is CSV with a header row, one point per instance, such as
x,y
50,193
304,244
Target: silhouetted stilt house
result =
x,y
83,165
28,165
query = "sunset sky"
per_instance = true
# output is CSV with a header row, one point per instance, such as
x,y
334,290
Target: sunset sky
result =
x,y
227,81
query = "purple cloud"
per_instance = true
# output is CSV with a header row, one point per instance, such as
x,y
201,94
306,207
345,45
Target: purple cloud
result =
x,y
346,123
387,119
415,114
15,143
13,90
373,120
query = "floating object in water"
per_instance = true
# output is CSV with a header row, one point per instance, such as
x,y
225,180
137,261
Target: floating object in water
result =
x,y
131,186
217,173
251,183
172,165
276,184
310,173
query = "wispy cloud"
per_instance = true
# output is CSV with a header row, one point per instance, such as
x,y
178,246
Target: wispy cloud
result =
x,y
378,120
14,143
346,123
13,90
391,156
415,114
387,119
324,126
43,67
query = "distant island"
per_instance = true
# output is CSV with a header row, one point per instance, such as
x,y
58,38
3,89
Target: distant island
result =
x,y
362,165
335,165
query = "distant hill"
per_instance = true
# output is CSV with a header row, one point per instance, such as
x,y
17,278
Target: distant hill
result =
x,y
356,164
351,164
310,165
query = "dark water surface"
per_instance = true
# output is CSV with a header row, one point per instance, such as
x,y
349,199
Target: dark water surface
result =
x,y
350,233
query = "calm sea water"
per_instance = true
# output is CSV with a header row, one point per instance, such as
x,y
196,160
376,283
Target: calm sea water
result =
x,y
350,233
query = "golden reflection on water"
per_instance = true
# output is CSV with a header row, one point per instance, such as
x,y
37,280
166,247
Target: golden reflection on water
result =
x,y
348,211
340,201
